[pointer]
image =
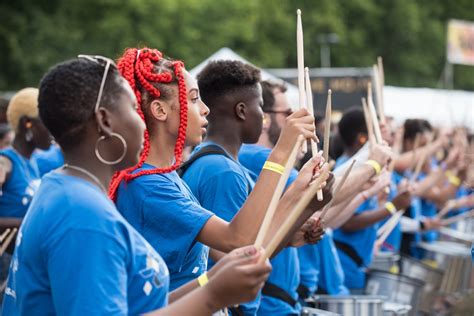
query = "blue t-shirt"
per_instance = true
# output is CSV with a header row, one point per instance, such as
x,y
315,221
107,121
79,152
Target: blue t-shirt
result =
x,y
285,265
162,208
48,160
309,266
76,255
362,241
18,190
331,274
221,185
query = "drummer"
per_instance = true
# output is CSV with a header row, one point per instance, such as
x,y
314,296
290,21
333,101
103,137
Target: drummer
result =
x,y
153,193
76,255
355,239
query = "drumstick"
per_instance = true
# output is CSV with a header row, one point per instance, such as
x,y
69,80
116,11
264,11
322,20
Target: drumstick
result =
x,y
373,114
390,227
7,241
309,103
419,164
368,122
386,224
5,233
300,61
277,194
382,85
457,218
448,207
377,90
336,190
296,213
327,126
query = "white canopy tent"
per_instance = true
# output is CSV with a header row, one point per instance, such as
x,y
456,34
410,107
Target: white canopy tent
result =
x,y
226,53
441,107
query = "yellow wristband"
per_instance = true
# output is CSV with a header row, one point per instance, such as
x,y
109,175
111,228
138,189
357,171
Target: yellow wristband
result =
x,y
454,180
273,166
202,280
390,207
374,164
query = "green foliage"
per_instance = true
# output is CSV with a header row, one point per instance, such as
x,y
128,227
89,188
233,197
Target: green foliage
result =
x,y
409,34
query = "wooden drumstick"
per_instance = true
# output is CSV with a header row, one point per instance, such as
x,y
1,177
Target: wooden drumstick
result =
x,y
368,122
296,212
7,241
327,126
382,85
309,103
5,233
277,194
373,114
300,61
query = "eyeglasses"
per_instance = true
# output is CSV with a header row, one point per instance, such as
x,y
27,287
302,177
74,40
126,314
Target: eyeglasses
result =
x,y
103,61
284,112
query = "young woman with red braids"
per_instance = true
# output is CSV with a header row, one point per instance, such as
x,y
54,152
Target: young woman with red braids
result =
x,y
154,199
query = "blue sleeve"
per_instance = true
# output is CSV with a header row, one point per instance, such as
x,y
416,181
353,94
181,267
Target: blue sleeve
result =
x,y
224,193
172,222
93,278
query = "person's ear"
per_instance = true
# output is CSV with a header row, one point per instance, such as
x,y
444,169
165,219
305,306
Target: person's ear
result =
x,y
362,138
267,121
241,110
159,110
103,119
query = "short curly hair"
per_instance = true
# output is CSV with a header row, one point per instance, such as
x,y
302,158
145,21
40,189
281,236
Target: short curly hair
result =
x,y
225,76
68,94
351,124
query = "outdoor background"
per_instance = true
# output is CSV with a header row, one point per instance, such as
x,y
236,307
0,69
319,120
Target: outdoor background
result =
x,y
409,34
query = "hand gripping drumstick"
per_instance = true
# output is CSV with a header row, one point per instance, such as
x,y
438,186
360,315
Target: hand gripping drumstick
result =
x,y
296,212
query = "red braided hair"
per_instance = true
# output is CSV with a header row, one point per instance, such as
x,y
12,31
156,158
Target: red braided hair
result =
x,y
138,68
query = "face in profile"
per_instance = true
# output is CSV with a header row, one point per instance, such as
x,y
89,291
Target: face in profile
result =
x,y
197,112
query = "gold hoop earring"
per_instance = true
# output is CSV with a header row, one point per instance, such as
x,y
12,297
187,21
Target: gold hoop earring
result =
x,y
107,162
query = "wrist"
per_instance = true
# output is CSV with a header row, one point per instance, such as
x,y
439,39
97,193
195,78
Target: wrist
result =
x,y
375,165
364,195
391,208
279,156
211,299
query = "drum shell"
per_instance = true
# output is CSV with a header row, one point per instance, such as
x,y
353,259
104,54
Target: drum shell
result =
x,y
385,261
431,276
308,311
357,305
455,260
396,287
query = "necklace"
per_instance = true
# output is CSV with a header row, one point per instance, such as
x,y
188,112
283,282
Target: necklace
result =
x,y
87,173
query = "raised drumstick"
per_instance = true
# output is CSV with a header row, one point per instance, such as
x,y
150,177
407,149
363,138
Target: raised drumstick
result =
x,y
382,85
373,114
378,91
5,233
277,194
296,213
300,61
327,126
368,122
309,103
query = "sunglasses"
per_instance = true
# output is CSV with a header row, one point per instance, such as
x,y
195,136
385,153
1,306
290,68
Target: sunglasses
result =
x,y
103,61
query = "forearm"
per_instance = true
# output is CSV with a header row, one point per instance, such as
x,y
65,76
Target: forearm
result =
x,y
440,195
405,160
183,290
197,302
365,219
354,183
347,210
432,179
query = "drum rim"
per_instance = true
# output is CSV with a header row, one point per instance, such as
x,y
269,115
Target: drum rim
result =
x,y
421,283
428,267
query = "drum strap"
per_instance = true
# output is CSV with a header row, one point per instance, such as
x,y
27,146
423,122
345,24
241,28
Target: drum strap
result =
x,y
236,311
303,291
350,252
272,290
